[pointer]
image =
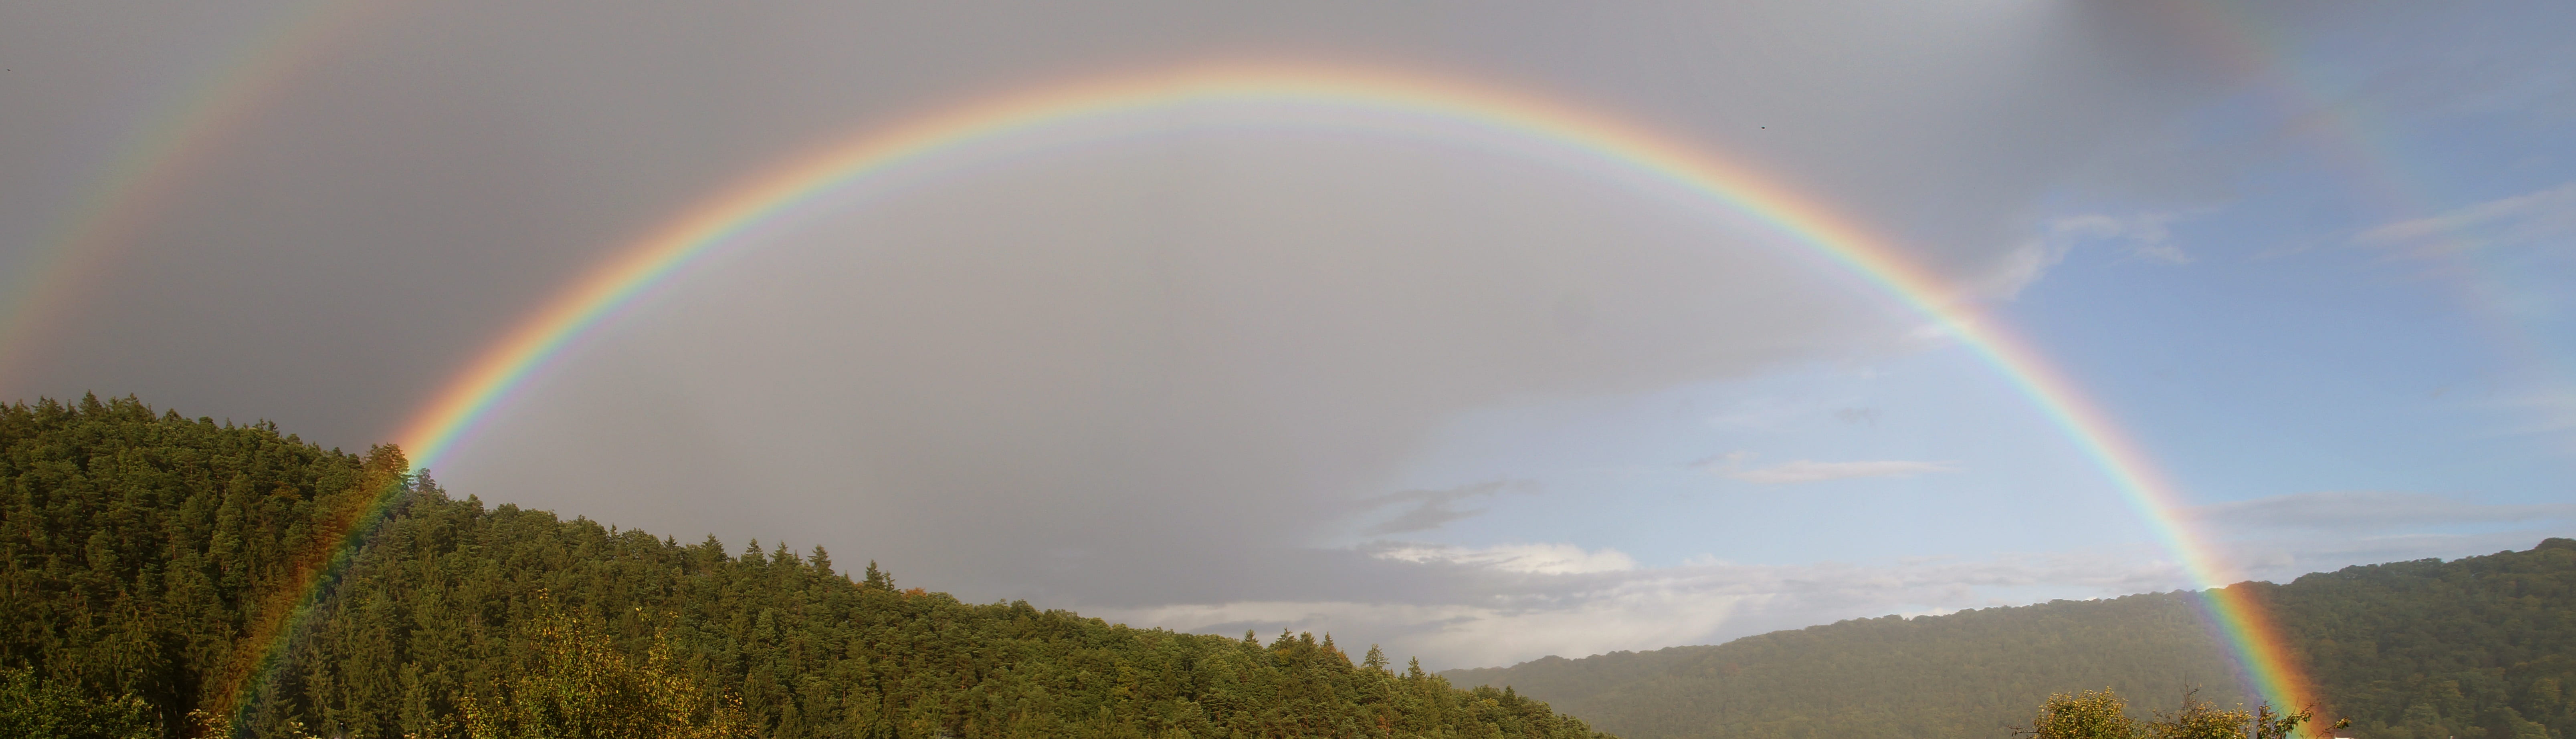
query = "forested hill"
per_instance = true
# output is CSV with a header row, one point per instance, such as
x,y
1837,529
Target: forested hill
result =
x,y
148,562
2479,647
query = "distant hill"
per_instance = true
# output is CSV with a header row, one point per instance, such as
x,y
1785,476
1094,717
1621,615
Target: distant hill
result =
x,y
149,563
2478,647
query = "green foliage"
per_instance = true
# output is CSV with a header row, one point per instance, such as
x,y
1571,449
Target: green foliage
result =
x,y
2474,648
574,682
136,550
2092,714
2199,719
151,555
31,707
2103,714
2268,723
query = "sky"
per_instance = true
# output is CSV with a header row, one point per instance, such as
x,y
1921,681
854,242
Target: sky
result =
x,y
1247,367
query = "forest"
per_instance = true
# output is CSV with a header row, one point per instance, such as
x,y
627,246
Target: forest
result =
x,y
162,576
2474,648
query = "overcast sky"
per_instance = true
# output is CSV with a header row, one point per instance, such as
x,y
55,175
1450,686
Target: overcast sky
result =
x,y
1478,406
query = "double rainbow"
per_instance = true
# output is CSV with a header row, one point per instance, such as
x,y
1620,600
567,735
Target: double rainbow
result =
x,y
1545,129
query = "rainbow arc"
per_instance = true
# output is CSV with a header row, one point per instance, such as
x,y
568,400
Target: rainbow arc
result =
x,y
1543,128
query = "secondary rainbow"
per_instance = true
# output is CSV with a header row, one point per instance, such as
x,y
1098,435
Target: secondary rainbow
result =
x,y
1545,128
2340,128
153,166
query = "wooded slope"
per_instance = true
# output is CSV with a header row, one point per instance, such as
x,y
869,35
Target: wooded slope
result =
x,y
151,564
2479,647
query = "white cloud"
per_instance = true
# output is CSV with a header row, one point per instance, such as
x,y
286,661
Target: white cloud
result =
x,y
1541,559
1524,601
1454,635
2144,236
1561,599
2529,217
2020,267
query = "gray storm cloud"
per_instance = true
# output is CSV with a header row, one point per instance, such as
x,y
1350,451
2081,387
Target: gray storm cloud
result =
x,y
1140,375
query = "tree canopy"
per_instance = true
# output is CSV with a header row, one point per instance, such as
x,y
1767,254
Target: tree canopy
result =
x,y
166,576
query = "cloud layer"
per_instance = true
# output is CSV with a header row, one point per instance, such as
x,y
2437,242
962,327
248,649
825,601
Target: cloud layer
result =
x,y
2537,218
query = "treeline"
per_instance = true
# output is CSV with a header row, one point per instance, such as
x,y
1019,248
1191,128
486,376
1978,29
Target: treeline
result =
x,y
2475,648
155,573
1966,674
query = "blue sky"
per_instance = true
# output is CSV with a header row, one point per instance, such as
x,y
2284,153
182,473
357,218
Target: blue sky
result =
x,y
2360,310
2250,335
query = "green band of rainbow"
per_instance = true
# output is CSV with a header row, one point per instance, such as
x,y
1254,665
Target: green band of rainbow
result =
x,y
492,376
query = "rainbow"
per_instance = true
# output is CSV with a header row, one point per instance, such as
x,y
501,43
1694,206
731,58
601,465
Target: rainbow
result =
x,y
1541,127
156,162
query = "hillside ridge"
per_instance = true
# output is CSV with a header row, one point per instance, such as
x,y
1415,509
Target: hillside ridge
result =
x,y
166,576
2426,649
